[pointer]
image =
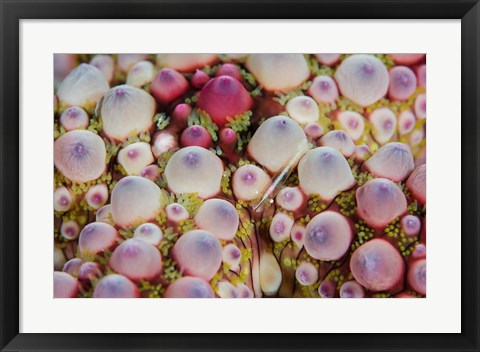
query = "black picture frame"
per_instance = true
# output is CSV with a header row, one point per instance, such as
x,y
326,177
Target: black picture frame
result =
x,y
12,11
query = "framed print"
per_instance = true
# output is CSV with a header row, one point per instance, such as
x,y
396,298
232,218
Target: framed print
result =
x,y
272,158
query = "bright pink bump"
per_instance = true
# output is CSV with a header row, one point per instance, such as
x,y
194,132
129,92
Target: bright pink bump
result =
x,y
168,85
224,97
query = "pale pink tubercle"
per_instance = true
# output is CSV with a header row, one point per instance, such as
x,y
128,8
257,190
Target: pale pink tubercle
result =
x,y
313,130
80,155
135,157
104,214
232,256
58,258
88,271
352,122
291,198
379,202
186,62
351,289
189,287
244,291
105,64
265,68
179,118
70,230
249,182
297,234
126,111
407,59
163,142
141,74
176,213
362,78
265,148
280,227
151,172
126,61
393,161
384,124
137,260
327,288
422,76
324,90
226,290
377,265
406,122
97,237
194,170
420,106
416,137
306,274
97,195
324,171
72,266
150,233
411,225
328,236
85,85
115,286
74,118
302,109
362,152
419,251
198,253
199,79
340,141
328,59
64,285
135,200
403,83
417,185
417,276
219,217
63,199
63,64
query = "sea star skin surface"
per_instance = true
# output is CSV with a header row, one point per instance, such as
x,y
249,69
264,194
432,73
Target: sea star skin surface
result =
x,y
240,176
